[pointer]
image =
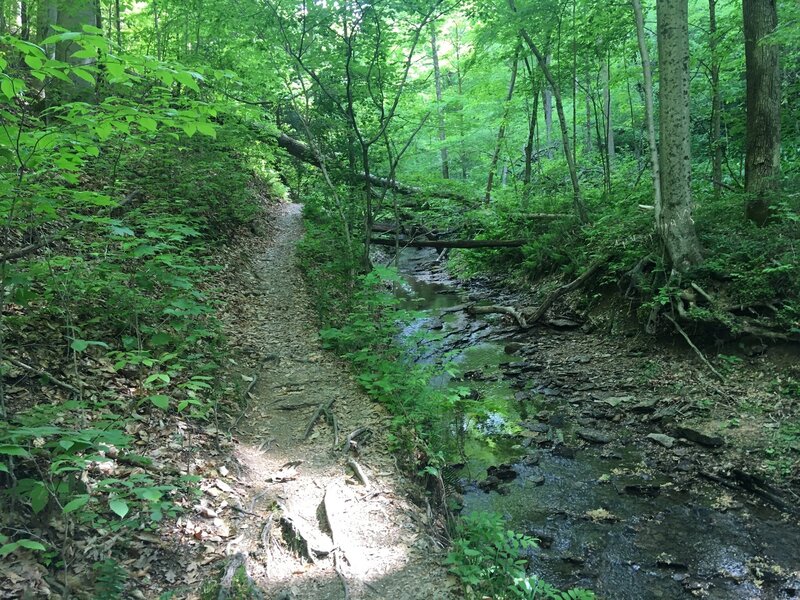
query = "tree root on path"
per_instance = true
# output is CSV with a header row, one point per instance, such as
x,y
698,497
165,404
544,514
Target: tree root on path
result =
x,y
350,442
325,406
359,471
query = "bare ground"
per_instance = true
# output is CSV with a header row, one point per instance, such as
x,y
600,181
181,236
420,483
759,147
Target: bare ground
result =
x,y
308,525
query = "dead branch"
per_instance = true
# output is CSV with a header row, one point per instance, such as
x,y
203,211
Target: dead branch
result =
x,y
697,350
317,414
45,374
495,309
564,289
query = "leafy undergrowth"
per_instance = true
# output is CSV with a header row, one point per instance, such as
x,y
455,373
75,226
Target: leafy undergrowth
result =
x,y
487,559
749,281
111,378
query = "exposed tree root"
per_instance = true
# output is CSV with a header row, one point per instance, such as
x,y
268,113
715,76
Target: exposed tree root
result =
x,y
359,471
564,289
697,350
317,414
506,310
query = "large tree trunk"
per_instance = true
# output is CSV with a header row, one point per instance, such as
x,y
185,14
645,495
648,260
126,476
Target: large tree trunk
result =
x,y
648,106
715,143
763,139
437,76
501,134
675,224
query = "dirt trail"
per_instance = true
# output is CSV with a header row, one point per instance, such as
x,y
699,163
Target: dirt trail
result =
x,y
310,528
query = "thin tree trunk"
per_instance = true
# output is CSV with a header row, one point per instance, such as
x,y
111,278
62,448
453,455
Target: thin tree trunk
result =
x,y
675,225
526,178
577,199
648,106
609,134
24,20
715,143
460,89
438,83
547,105
588,135
118,22
502,131
763,137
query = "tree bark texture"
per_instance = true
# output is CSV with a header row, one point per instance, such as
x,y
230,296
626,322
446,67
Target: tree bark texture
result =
x,y
675,225
763,136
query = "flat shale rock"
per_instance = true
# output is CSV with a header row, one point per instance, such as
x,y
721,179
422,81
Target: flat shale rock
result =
x,y
594,436
699,437
662,439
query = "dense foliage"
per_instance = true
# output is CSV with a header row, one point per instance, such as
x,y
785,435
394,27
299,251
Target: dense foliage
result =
x,y
136,137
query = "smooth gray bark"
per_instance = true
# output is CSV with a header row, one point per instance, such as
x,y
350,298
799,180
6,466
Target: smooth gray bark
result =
x,y
675,223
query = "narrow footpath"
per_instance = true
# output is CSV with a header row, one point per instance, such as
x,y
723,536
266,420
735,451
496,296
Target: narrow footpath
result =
x,y
328,513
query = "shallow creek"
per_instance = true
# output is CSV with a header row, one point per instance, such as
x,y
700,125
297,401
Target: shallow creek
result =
x,y
607,517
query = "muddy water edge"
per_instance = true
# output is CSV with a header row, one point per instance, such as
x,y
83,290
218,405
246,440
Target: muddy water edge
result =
x,y
572,449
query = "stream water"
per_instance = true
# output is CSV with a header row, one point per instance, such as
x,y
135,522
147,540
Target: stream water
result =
x,y
606,516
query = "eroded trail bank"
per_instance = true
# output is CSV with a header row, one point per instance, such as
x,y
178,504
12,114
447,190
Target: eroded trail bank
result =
x,y
324,511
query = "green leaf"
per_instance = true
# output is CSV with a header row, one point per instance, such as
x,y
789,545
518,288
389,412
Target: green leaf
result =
x,y
10,450
160,401
151,494
76,503
7,88
34,62
8,549
147,123
79,345
84,74
207,129
39,497
120,507
31,545
87,53
190,129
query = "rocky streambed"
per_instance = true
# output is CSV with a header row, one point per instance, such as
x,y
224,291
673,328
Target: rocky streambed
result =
x,y
602,448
